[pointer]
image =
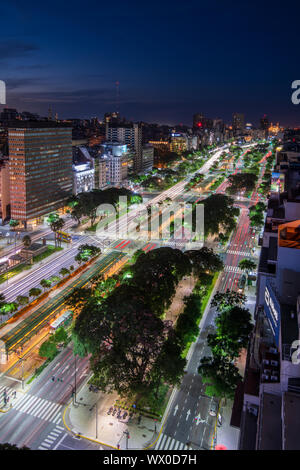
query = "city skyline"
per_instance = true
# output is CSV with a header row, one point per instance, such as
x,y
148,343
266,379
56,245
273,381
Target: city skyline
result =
x,y
170,61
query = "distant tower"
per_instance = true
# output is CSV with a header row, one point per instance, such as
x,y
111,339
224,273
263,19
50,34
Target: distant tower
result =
x,y
56,117
117,97
50,113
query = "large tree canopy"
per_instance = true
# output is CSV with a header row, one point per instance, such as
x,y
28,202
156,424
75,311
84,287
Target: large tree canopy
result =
x,y
219,214
220,375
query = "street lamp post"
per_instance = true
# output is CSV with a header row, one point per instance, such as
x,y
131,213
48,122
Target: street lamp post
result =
x,y
96,410
75,377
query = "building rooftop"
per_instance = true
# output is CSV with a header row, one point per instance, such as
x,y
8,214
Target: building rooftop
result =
x,y
270,437
36,125
291,421
289,234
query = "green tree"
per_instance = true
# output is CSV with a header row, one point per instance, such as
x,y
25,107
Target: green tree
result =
x,y
60,336
220,376
224,300
35,292
54,279
247,265
14,223
22,300
64,272
26,240
241,182
204,260
2,300
233,328
8,307
45,283
56,223
8,446
220,214
124,338
48,349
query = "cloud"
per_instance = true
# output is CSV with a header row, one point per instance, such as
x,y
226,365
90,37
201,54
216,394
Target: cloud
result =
x,y
14,49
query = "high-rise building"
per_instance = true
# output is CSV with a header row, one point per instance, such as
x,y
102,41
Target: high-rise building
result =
x,y
264,125
238,123
147,157
131,135
200,122
40,163
4,189
116,157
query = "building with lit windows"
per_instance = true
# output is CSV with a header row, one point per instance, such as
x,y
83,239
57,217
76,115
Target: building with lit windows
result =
x,y
116,157
131,135
238,123
40,166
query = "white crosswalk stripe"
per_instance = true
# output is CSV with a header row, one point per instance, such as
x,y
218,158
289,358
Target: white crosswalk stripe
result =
x,y
52,437
234,252
40,408
168,443
232,269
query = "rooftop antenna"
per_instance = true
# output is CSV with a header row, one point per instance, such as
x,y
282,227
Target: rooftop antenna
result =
x,y
117,97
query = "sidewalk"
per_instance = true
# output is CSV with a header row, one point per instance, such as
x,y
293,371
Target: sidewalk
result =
x,y
226,435
89,419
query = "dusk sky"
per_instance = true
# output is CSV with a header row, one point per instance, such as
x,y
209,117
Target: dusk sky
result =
x,y
172,58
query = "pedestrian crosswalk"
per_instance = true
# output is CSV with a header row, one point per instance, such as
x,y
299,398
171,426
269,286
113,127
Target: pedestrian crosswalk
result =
x,y
232,269
39,407
51,438
168,443
241,253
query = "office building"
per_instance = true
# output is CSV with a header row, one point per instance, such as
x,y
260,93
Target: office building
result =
x,y
40,164
116,157
131,135
147,157
4,189
238,123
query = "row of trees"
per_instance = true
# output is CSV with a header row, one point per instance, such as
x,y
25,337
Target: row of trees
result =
x,y
233,327
134,349
256,214
86,204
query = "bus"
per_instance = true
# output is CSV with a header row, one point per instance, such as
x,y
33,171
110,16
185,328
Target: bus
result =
x,y
64,237
63,320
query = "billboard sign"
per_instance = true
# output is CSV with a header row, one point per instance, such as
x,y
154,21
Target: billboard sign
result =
x,y
277,182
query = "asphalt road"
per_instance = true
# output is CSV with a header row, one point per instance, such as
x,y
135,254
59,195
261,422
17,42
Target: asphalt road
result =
x,y
35,419
189,422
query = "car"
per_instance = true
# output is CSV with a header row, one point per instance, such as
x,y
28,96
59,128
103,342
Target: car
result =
x,y
242,283
213,409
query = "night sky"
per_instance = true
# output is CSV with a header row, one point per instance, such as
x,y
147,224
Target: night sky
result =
x,y
172,58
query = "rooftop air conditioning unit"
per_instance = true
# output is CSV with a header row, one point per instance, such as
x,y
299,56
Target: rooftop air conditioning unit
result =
x,y
273,350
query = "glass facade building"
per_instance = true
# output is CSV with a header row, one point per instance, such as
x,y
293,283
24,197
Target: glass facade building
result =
x,y
40,163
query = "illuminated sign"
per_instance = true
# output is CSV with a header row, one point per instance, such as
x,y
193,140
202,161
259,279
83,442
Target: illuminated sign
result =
x,y
277,182
272,311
